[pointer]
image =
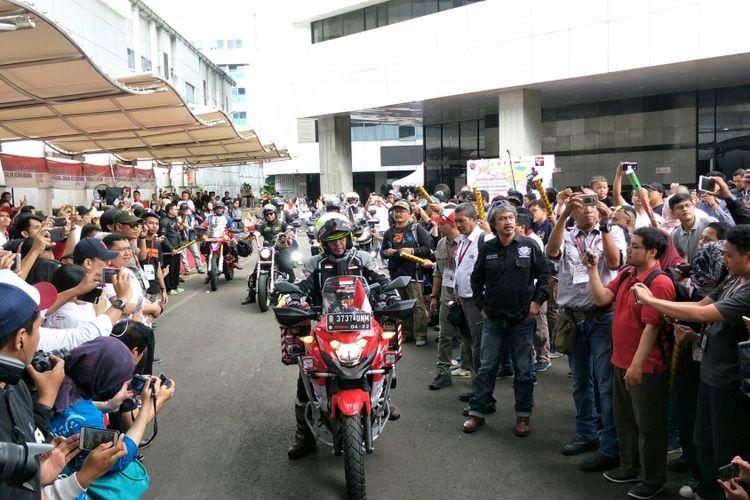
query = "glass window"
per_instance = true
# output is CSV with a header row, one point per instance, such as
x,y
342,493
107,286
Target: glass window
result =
x,y
238,44
424,7
445,5
189,93
131,59
317,31
354,22
335,28
372,132
399,10
371,17
450,141
145,64
433,146
383,14
358,132
469,143
406,132
230,44
482,146
219,44
390,132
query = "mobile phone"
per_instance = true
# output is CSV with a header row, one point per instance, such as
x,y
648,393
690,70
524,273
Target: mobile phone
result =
x,y
16,267
92,297
589,200
728,472
107,274
91,437
629,166
743,349
59,221
165,382
57,234
706,184
685,269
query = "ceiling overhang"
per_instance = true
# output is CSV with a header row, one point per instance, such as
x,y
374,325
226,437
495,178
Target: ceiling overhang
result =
x,y
51,91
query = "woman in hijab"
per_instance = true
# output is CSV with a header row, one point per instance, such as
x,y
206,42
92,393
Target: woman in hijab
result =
x,y
97,366
708,268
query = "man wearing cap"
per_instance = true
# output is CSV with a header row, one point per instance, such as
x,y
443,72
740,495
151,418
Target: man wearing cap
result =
x,y
443,297
510,282
656,194
188,222
6,216
20,319
92,254
83,216
408,237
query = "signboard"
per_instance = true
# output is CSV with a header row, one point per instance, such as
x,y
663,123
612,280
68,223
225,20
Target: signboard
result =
x,y
24,171
64,175
145,178
124,175
97,174
498,175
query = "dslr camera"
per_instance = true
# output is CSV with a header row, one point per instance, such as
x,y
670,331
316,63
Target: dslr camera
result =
x,y
19,465
42,362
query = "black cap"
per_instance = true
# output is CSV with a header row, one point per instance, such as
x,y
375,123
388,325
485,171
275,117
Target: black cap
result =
x,y
656,186
83,210
89,248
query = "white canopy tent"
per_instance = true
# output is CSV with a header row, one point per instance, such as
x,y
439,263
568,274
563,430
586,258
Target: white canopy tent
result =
x,y
415,178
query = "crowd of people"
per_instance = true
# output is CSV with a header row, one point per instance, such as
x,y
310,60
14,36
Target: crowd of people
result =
x,y
82,292
644,295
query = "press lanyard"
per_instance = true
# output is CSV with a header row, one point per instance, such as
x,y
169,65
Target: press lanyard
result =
x,y
462,254
580,247
451,255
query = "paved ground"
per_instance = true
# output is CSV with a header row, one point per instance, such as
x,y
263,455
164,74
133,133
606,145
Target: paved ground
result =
x,y
225,434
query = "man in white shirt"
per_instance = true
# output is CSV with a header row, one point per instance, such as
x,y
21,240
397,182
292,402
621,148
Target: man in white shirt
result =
x,y
466,256
6,214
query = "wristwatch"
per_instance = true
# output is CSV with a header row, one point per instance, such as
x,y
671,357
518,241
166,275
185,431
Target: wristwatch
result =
x,y
606,227
118,304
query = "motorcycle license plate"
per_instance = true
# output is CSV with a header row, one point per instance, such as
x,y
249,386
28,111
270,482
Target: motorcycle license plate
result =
x,y
348,322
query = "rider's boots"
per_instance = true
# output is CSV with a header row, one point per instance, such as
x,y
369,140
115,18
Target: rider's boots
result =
x,y
250,299
304,441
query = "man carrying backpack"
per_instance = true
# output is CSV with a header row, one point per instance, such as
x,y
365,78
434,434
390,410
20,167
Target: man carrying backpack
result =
x,y
640,355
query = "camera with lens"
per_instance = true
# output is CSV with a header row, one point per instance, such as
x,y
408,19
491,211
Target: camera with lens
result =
x,y
42,362
19,465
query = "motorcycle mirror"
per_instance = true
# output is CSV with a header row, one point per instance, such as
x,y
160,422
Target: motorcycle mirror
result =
x,y
296,223
286,287
400,282
374,221
375,288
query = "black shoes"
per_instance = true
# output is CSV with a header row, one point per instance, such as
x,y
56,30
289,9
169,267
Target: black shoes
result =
x,y
643,491
680,464
576,447
621,476
300,449
599,463
440,382
249,299
465,396
395,413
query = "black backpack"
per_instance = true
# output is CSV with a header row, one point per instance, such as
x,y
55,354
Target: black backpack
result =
x,y
666,334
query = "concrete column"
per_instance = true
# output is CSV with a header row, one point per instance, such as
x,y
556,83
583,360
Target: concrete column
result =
x,y
335,142
135,28
520,122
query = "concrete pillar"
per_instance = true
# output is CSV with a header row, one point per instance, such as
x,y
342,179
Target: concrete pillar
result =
x,y
335,142
135,28
520,122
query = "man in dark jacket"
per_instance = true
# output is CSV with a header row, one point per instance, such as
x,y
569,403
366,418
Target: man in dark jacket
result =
x,y
407,237
510,282
169,227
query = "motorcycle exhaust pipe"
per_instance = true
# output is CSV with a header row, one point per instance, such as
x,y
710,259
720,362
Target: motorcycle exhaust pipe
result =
x,y
368,434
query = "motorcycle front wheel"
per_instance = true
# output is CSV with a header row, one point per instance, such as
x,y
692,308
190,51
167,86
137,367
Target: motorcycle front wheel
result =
x,y
264,294
354,457
229,270
213,272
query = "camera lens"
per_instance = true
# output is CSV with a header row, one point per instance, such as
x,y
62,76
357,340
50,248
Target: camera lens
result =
x,y
18,462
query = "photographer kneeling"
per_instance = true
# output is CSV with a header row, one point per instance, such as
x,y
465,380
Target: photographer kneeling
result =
x,y
721,430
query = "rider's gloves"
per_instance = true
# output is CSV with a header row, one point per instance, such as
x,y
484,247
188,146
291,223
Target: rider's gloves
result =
x,y
390,299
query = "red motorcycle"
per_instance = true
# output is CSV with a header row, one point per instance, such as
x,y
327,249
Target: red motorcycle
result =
x,y
217,247
347,351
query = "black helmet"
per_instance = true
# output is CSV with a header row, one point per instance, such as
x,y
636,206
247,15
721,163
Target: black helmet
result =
x,y
244,248
218,204
278,202
332,227
268,208
333,204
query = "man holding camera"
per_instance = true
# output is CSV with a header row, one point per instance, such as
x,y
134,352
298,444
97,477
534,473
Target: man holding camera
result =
x,y
590,354
640,361
721,430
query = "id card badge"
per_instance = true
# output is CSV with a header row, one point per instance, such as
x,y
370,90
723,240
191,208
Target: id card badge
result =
x,y
144,280
580,274
449,278
697,353
150,272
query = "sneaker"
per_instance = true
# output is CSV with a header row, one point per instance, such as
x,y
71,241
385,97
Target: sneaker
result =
x,y
179,290
420,342
461,373
200,271
455,364
555,355
182,280
440,382
172,292
620,476
542,366
643,491
679,464
690,489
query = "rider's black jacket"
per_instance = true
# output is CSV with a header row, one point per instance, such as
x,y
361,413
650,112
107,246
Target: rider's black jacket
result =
x,y
319,268
269,231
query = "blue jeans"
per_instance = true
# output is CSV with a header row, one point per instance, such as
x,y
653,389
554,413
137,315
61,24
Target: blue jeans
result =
x,y
520,338
589,361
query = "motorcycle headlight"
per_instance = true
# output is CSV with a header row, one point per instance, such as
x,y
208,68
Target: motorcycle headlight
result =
x,y
296,256
265,253
349,354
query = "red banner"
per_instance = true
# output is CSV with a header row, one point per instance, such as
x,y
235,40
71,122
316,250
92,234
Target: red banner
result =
x,y
24,171
124,175
65,175
145,178
97,174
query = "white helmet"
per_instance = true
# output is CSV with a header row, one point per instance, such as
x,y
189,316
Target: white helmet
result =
x,y
352,198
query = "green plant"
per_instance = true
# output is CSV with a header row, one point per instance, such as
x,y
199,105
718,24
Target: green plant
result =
x,y
268,189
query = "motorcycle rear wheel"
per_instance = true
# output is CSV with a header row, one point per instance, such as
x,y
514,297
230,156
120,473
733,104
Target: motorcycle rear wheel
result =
x,y
354,457
264,294
213,272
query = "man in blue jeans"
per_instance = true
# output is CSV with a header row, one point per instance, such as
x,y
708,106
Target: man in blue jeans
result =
x,y
510,282
593,234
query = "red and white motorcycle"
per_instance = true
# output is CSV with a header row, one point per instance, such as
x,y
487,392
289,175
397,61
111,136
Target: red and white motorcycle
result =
x,y
347,351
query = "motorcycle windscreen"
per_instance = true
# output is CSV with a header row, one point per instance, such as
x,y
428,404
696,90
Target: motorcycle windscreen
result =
x,y
346,307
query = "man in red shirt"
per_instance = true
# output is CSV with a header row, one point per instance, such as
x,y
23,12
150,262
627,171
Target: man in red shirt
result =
x,y
640,359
